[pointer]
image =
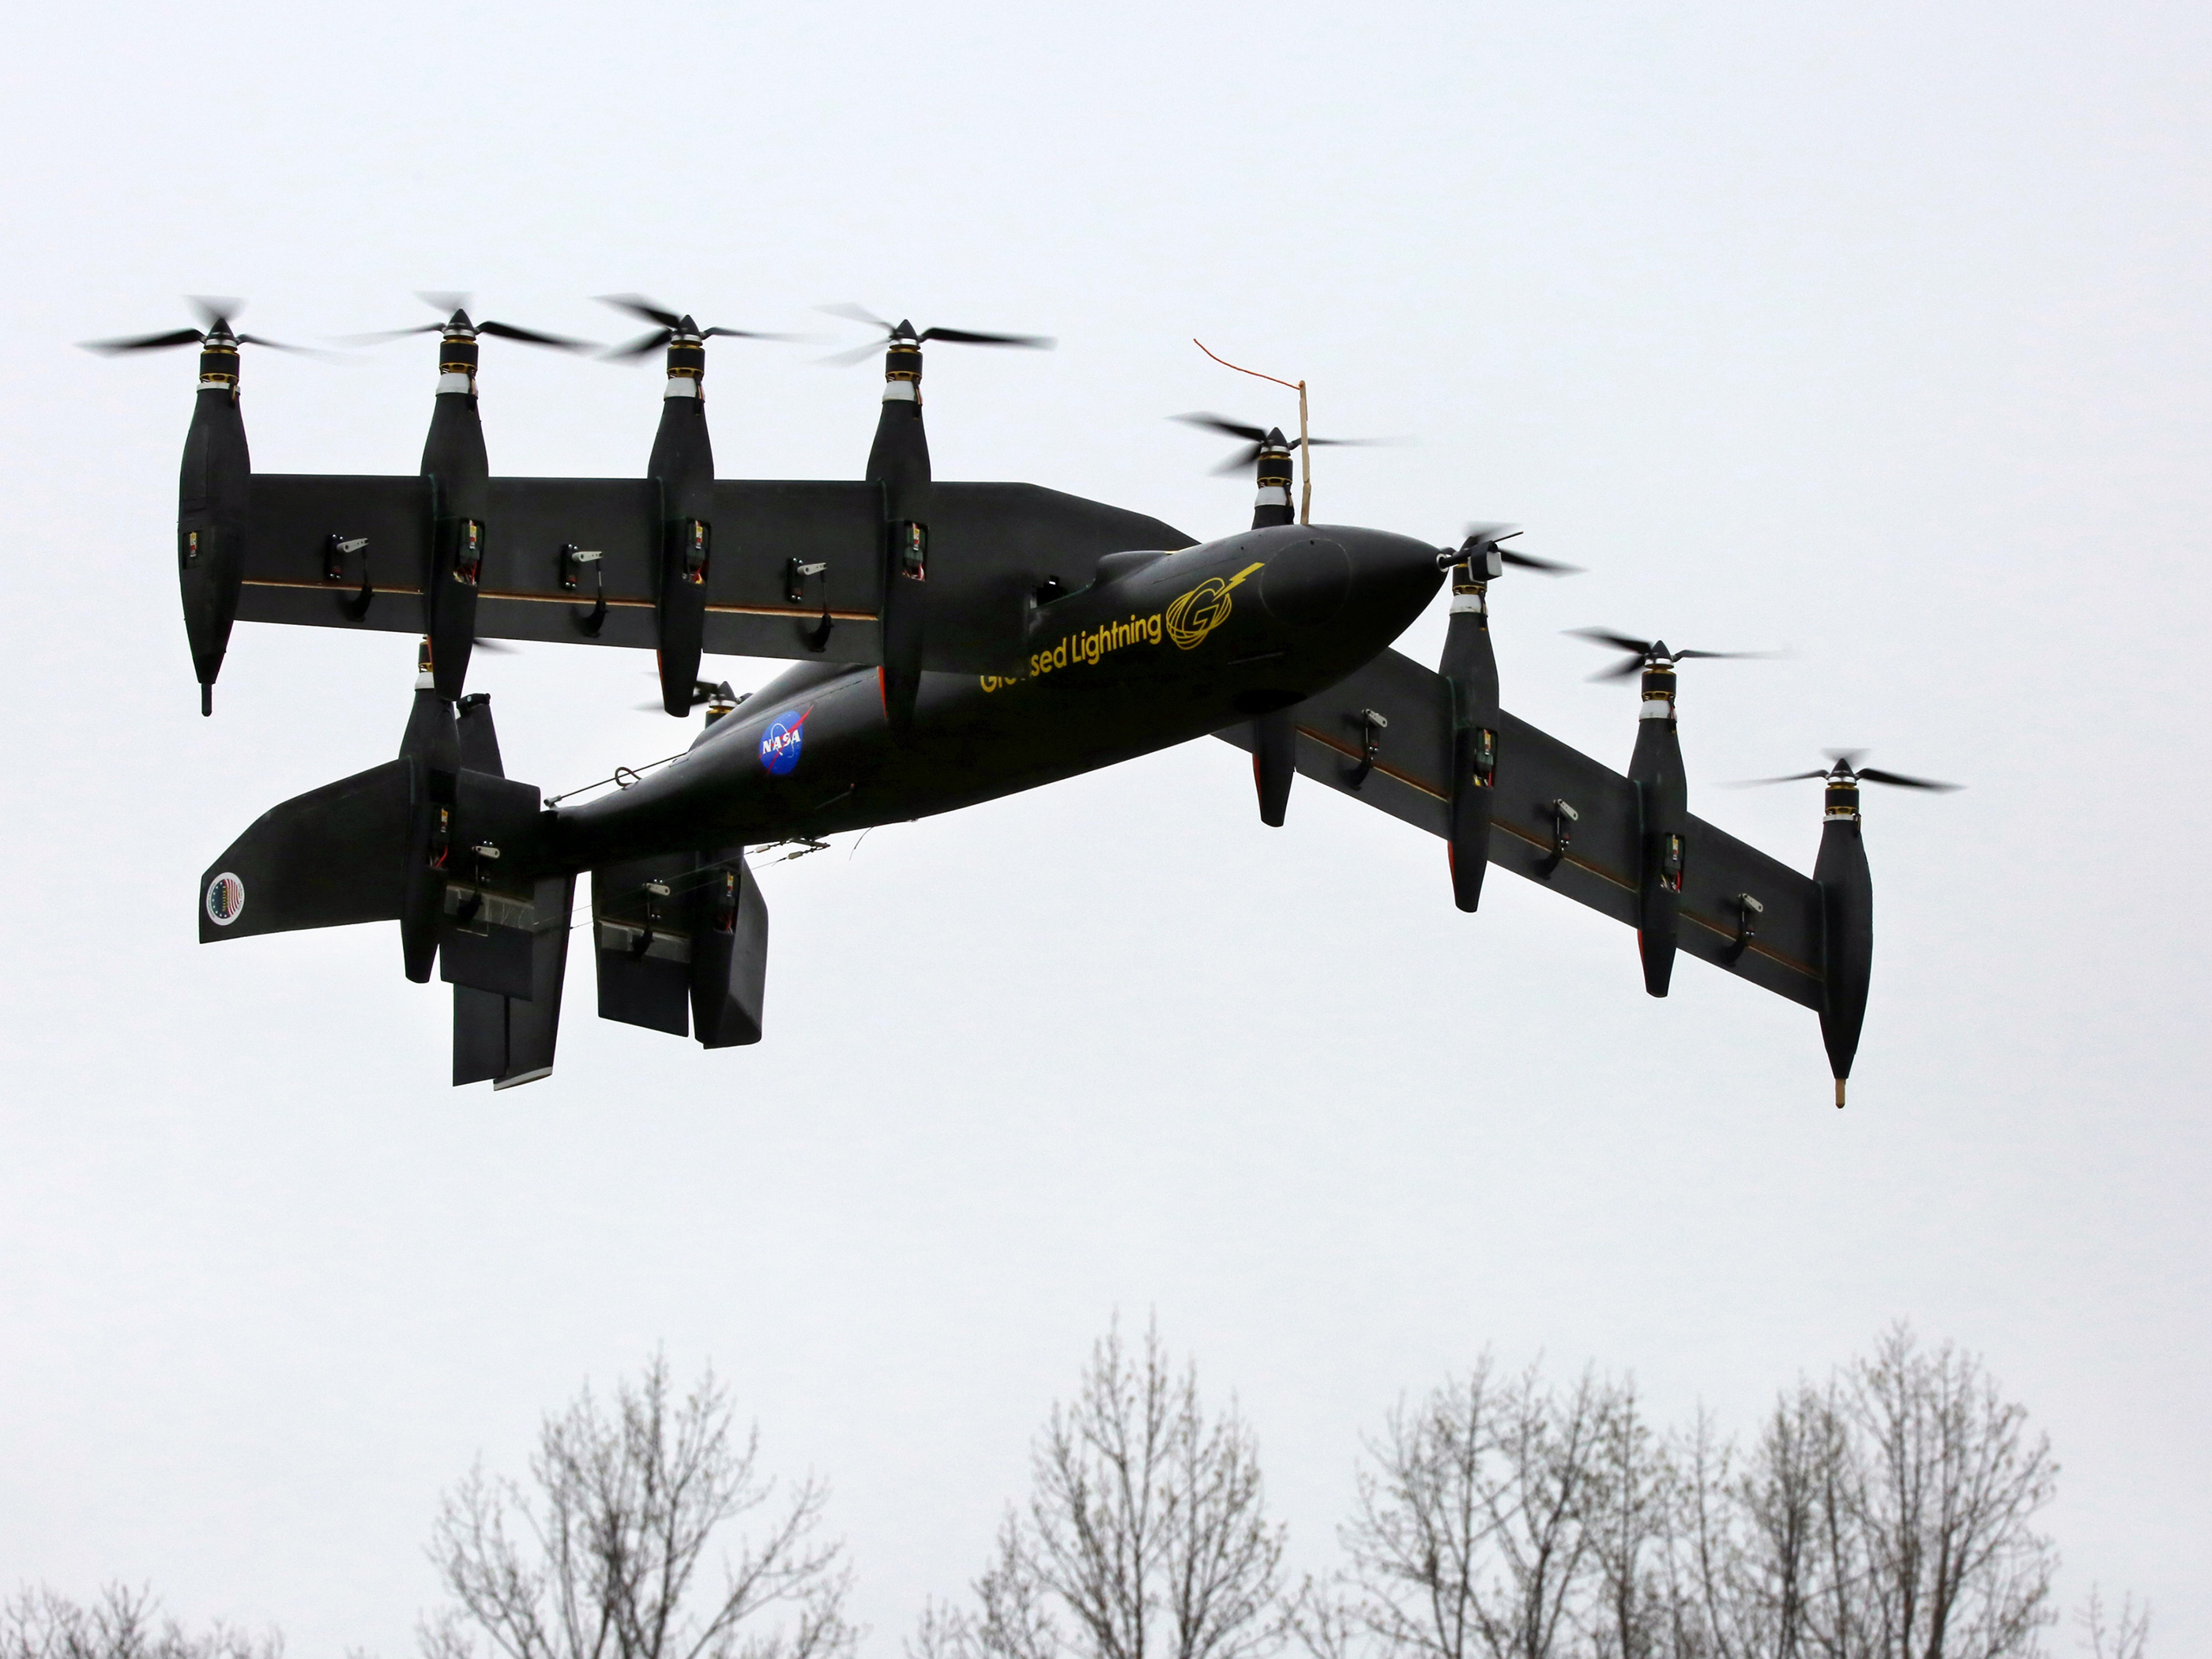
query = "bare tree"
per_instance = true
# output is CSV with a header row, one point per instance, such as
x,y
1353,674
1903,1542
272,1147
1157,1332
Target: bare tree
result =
x,y
604,1554
119,1623
1498,1520
1885,1514
1628,1527
1145,1536
2124,1640
1949,1485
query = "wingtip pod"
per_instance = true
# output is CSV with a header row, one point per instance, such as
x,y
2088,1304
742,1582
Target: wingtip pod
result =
x,y
1847,917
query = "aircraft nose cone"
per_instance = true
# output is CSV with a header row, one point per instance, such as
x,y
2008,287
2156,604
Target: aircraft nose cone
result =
x,y
1306,584
1394,577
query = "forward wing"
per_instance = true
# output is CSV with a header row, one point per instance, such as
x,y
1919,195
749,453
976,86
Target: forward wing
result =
x,y
990,545
1598,866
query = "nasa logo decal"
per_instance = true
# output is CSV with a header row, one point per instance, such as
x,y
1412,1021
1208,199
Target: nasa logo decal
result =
x,y
226,899
779,745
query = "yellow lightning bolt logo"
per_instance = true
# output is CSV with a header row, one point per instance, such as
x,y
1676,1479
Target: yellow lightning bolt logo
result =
x,y
1204,609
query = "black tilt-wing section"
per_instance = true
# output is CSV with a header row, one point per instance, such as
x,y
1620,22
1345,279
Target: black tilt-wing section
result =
x,y
1535,772
992,545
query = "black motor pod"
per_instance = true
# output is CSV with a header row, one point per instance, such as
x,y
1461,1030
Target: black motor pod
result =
x,y
454,460
212,487
1663,796
1470,673
1847,907
1274,764
683,463
899,460
432,749
1271,504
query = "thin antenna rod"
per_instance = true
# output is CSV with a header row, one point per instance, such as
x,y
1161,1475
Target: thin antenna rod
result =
x,y
1305,449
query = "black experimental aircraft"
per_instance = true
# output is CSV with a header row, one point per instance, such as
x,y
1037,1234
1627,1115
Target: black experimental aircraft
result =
x,y
950,643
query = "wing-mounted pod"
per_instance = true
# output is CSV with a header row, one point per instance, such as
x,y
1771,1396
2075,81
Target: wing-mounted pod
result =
x,y
1847,912
1846,901
1469,671
430,747
899,460
1275,738
682,945
1663,796
682,465
1662,792
1269,453
212,487
454,460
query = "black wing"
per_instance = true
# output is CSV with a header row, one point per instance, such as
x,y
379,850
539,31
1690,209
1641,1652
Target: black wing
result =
x,y
991,544
1534,771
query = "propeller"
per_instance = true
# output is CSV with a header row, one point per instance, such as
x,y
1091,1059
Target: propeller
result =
x,y
1648,653
1485,538
1257,439
894,332
458,320
1847,770
215,316
671,325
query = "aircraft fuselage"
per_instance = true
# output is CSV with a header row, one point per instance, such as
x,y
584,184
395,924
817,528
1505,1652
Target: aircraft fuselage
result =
x,y
1159,649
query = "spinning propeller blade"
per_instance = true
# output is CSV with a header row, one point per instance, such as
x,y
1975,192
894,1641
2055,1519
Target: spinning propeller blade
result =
x,y
1649,654
893,333
457,317
1257,438
1847,770
672,323
215,315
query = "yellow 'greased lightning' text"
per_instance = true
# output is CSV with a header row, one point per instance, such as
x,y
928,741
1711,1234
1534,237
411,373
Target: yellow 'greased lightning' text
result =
x,y
1188,619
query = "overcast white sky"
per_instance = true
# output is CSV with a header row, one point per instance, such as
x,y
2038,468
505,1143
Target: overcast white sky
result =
x,y
1877,331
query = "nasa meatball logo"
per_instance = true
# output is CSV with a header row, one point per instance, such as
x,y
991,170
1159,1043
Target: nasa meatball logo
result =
x,y
226,899
780,743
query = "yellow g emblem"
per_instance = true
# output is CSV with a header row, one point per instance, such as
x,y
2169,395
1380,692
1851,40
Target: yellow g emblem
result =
x,y
1204,609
